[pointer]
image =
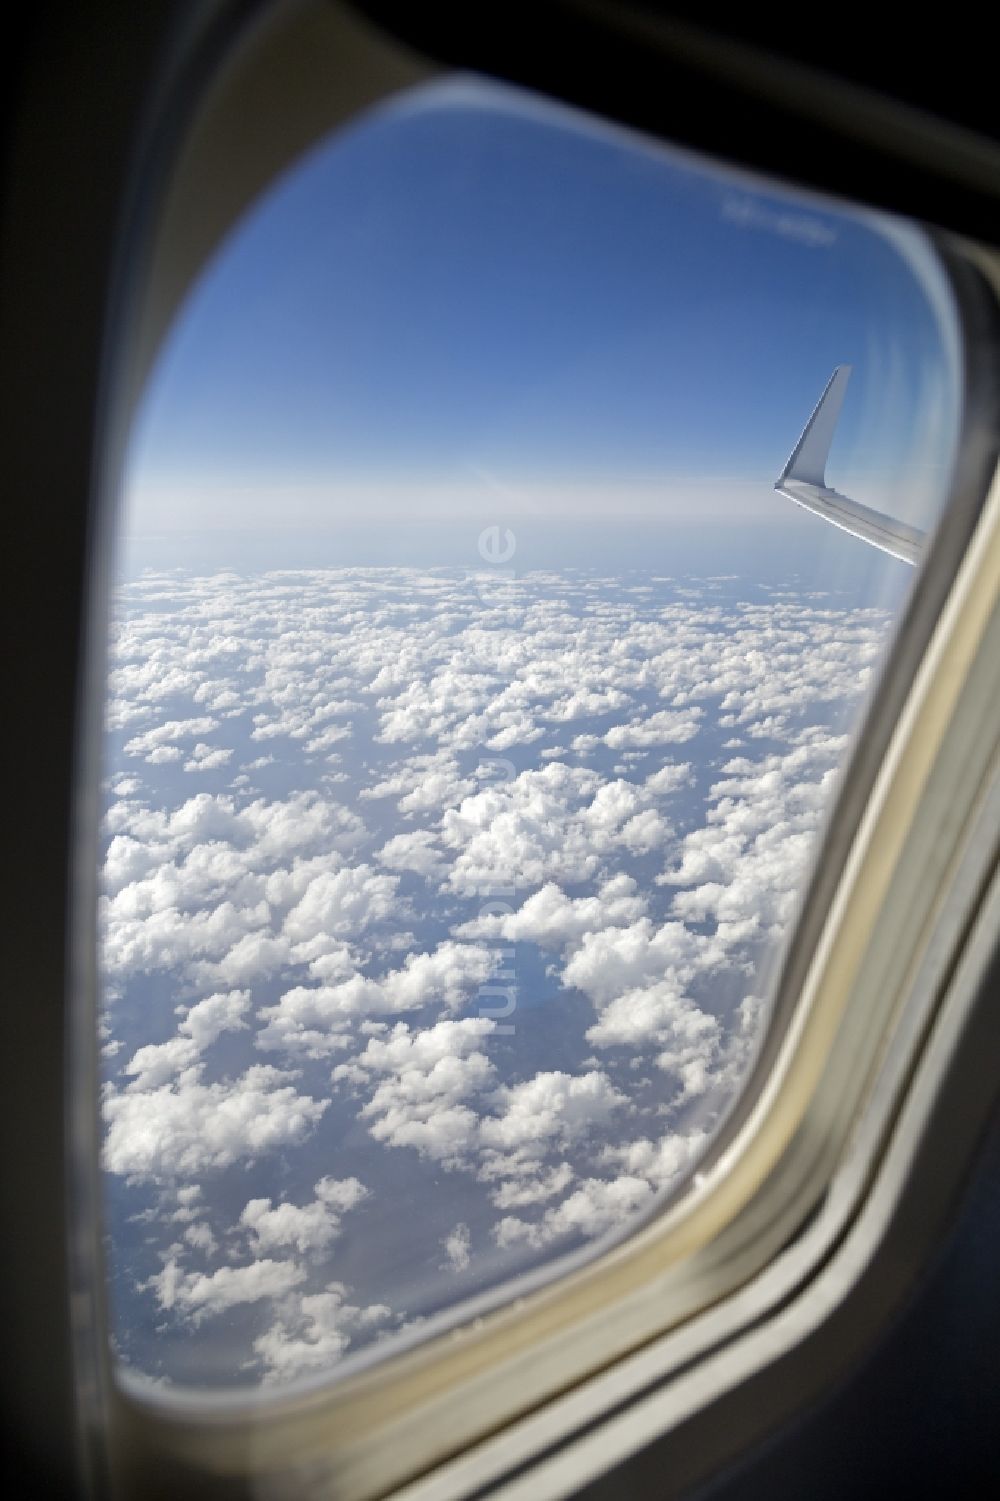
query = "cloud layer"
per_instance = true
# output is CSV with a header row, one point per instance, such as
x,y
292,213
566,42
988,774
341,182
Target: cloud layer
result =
x,y
433,906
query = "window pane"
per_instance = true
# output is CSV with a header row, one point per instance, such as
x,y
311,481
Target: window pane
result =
x,y
474,706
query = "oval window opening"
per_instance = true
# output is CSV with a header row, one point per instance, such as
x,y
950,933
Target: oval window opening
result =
x,y
475,703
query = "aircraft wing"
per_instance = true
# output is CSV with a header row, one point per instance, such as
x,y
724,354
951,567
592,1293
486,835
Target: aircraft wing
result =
x,y
803,480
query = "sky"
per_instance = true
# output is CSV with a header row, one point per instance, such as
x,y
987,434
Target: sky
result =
x,y
470,304
474,712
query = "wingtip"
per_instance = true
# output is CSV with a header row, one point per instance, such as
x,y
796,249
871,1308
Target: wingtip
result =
x,y
807,462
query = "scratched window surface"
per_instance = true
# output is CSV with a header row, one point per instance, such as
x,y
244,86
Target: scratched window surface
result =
x,y
474,705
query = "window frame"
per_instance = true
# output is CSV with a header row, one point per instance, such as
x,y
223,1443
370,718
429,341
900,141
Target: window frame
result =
x,y
125,1427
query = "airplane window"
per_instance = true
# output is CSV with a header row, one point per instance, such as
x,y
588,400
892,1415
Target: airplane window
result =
x,y
475,703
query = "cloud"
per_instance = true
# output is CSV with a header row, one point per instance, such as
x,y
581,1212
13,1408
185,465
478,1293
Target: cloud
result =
x,y
313,1018
646,831
312,1334
660,1162
188,1126
170,938
424,784
658,1011
595,1206
425,1079
414,852
202,1294
342,902
615,960
254,956
552,1107
157,1063
309,1227
515,1194
743,868
553,920
200,889
557,823
664,728
456,1249
669,779
162,754
224,1012
206,757
152,743
200,1237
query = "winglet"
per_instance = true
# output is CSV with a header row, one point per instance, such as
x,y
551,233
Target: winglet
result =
x,y
803,480
807,464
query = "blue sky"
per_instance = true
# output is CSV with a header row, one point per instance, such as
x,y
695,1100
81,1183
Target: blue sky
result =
x,y
470,303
